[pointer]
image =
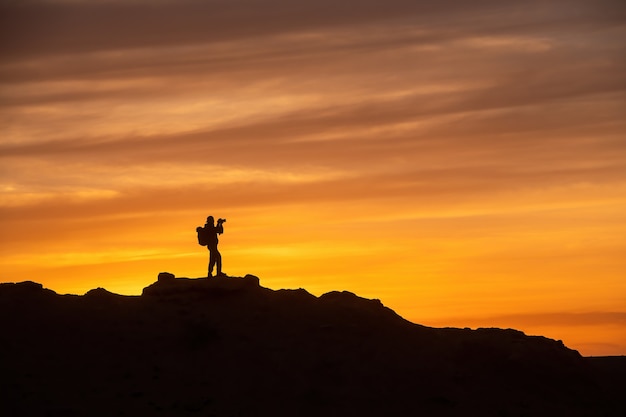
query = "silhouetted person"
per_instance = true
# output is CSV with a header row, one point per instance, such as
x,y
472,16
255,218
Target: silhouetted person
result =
x,y
211,231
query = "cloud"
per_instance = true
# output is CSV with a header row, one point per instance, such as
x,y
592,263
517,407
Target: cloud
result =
x,y
50,27
367,136
310,72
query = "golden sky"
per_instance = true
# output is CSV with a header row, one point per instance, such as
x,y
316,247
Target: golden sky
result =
x,y
464,164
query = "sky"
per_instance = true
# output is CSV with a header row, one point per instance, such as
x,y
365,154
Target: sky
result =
x,y
463,162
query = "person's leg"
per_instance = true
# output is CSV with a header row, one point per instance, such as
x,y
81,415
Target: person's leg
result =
x,y
212,261
218,261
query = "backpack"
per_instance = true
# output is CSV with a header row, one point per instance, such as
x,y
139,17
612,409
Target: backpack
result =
x,y
202,236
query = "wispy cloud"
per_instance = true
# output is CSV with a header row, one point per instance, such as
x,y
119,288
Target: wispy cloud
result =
x,y
52,25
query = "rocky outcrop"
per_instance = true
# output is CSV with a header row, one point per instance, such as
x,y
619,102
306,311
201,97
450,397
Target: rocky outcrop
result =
x,y
168,285
23,289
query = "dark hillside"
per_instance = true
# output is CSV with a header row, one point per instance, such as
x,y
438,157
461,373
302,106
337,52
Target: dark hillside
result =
x,y
229,347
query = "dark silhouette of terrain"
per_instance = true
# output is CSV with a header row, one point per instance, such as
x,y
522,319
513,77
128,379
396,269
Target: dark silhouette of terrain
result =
x,y
229,347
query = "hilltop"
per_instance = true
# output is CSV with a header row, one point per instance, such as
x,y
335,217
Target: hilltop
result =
x,y
230,347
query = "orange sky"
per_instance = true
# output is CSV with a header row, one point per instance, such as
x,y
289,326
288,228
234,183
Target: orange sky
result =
x,y
465,165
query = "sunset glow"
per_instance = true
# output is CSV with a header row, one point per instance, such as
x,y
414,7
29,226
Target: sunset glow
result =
x,y
464,165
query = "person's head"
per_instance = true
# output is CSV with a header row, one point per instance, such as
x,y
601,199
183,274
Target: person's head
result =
x,y
210,220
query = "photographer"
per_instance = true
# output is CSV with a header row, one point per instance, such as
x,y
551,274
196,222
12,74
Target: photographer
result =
x,y
211,231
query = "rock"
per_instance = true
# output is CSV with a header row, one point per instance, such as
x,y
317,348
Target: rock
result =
x,y
166,276
100,293
168,285
251,280
26,288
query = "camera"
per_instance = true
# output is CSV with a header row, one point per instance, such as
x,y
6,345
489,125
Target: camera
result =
x,y
221,220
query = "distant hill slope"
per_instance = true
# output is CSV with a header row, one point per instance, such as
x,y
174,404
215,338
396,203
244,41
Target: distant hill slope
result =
x,y
229,347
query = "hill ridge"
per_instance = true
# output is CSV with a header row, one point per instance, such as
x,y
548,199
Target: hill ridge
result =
x,y
228,346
